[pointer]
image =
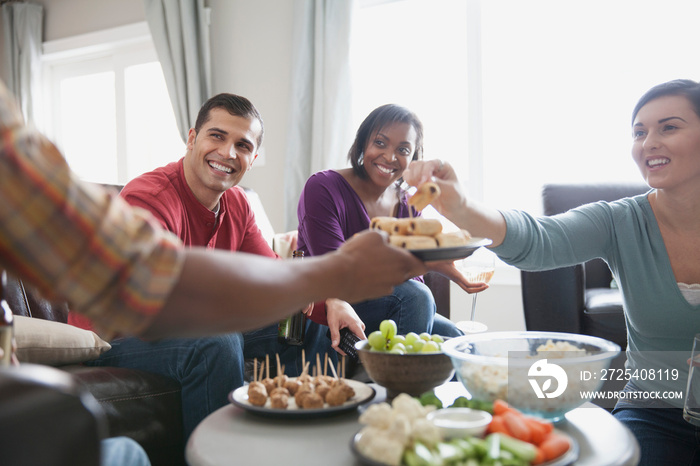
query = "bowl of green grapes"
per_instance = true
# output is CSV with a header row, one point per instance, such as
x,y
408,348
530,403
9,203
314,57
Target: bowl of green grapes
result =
x,y
412,363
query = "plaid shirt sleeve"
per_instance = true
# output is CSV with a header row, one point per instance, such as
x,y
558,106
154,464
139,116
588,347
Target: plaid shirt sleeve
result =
x,y
76,241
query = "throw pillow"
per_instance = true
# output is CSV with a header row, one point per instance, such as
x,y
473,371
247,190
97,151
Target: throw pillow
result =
x,y
42,341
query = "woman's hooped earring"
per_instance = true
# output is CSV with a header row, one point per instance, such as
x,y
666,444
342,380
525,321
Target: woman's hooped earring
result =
x,y
361,158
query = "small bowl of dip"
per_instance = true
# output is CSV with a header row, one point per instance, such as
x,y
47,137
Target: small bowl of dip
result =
x,y
460,422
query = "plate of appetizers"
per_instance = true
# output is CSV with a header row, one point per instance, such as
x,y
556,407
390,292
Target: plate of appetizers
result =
x,y
305,397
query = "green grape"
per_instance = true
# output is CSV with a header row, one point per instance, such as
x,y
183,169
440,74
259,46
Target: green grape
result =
x,y
409,349
430,347
397,350
411,337
388,328
376,340
437,338
425,336
399,346
397,339
418,345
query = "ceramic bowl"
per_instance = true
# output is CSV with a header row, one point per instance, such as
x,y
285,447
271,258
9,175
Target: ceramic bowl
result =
x,y
413,374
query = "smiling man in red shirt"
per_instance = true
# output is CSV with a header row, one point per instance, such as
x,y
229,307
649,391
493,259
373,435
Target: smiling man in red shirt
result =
x,y
198,199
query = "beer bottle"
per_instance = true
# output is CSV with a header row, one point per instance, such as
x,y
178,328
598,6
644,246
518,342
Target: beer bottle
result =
x,y
292,329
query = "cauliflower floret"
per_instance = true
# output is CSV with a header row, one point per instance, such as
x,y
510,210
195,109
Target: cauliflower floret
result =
x,y
377,415
400,428
409,406
426,432
379,445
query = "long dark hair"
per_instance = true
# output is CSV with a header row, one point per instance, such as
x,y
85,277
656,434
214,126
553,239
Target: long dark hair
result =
x,y
379,118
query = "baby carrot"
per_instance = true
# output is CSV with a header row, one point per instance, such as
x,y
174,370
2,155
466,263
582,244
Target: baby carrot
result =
x,y
539,456
538,430
500,407
497,425
515,423
554,446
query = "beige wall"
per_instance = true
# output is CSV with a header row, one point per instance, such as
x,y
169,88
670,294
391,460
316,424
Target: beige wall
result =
x,y
66,18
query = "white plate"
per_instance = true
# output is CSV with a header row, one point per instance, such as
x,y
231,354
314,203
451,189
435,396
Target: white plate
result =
x,y
363,394
567,458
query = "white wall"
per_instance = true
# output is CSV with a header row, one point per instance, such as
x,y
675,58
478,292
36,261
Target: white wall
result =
x,y
251,50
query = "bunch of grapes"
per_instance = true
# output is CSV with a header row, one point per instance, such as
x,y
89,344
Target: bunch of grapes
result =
x,y
386,340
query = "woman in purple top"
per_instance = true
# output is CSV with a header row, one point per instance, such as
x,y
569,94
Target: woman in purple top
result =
x,y
336,204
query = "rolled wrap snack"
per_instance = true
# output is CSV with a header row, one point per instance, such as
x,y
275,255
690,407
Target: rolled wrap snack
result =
x,y
426,193
383,223
413,242
452,239
424,226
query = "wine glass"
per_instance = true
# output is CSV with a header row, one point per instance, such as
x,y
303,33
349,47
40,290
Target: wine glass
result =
x,y
479,267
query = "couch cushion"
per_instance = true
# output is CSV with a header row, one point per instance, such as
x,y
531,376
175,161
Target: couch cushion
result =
x,y
53,343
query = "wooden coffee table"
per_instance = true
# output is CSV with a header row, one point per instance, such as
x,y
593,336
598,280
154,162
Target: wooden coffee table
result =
x,y
232,436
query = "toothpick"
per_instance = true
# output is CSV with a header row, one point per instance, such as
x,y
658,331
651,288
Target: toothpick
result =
x,y
267,366
255,369
325,365
335,374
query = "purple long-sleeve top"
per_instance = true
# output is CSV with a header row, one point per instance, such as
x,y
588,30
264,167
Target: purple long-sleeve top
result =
x,y
330,212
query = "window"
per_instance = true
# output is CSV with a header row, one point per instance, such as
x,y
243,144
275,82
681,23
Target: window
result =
x,y
517,94
109,110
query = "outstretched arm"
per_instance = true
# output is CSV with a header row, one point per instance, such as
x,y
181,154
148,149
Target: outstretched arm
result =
x,y
222,292
474,217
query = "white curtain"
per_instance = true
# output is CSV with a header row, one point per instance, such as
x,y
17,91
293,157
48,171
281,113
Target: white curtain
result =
x,y
320,134
180,30
22,29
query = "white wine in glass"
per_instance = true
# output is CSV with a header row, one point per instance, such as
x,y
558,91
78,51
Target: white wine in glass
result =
x,y
479,267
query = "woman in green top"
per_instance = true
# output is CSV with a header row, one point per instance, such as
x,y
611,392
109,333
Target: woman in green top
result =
x,y
652,245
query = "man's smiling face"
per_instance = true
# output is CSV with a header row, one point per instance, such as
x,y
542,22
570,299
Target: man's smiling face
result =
x,y
219,154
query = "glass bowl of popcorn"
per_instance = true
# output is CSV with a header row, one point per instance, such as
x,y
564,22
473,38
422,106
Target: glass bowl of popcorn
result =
x,y
545,374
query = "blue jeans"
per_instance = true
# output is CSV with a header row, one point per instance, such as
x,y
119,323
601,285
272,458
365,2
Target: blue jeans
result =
x,y
122,451
665,438
209,368
263,341
411,306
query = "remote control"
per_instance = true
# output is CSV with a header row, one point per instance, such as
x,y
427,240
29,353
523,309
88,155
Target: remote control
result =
x,y
347,342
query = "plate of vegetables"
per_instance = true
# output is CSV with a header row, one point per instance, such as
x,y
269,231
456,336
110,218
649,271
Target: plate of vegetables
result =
x,y
400,434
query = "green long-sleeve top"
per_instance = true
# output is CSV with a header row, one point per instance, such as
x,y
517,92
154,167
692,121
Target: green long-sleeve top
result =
x,y
661,324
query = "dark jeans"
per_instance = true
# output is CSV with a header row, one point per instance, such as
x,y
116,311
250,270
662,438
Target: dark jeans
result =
x,y
411,306
665,438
